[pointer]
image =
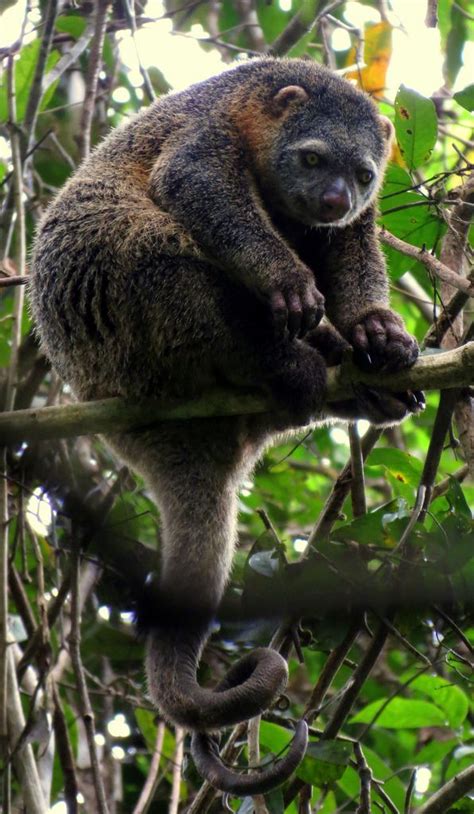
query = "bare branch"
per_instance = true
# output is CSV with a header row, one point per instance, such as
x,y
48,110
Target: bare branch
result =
x,y
177,765
92,80
359,503
37,88
365,775
69,58
85,707
16,279
431,262
148,790
431,19
452,369
21,238
24,760
303,21
456,788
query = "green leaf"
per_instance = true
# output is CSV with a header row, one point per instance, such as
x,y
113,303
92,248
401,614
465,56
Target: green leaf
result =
x,y
401,713
448,697
396,182
73,25
373,526
146,721
24,72
465,98
274,802
435,751
457,499
275,738
325,762
416,126
403,466
465,806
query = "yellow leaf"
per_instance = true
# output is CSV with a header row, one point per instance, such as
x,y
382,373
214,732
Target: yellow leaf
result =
x,y
377,53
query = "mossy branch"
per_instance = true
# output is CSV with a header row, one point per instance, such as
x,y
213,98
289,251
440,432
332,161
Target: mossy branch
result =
x,y
453,368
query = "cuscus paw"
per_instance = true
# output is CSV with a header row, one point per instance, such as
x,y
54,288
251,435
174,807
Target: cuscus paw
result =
x,y
297,307
383,408
329,342
380,342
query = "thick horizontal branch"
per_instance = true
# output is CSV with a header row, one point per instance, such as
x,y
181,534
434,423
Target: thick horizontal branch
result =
x,y
441,801
435,266
453,368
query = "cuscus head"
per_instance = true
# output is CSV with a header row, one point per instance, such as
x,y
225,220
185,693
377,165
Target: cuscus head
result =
x,y
326,163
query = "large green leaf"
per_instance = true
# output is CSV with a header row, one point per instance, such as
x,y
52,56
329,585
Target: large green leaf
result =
x,y
465,97
24,72
447,696
401,713
71,24
416,126
400,464
325,762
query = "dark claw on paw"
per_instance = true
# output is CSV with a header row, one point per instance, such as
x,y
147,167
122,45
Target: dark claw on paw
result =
x,y
363,359
412,401
420,397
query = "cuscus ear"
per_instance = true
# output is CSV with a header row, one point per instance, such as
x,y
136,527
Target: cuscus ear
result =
x,y
387,128
288,97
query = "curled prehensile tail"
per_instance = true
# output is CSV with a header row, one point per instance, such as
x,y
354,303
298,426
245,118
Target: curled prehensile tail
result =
x,y
194,470
205,752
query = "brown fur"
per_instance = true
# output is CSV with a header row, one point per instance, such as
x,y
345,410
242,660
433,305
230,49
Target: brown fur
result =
x,y
194,247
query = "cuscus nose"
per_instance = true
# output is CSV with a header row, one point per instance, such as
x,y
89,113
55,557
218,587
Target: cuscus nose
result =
x,y
336,201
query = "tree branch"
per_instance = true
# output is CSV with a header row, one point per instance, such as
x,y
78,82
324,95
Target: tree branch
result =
x,y
435,266
442,800
437,371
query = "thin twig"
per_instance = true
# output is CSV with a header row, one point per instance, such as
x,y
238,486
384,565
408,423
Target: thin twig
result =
x,y
19,293
86,710
365,775
177,766
434,266
457,630
129,7
303,21
431,19
92,79
253,733
148,791
69,58
331,668
409,793
335,501
359,503
344,707
24,760
65,753
37,89
442,487
358,679
16,279
441,801
4,517
447,403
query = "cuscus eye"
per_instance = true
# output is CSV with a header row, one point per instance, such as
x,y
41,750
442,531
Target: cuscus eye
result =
x,y
365,176
310,158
